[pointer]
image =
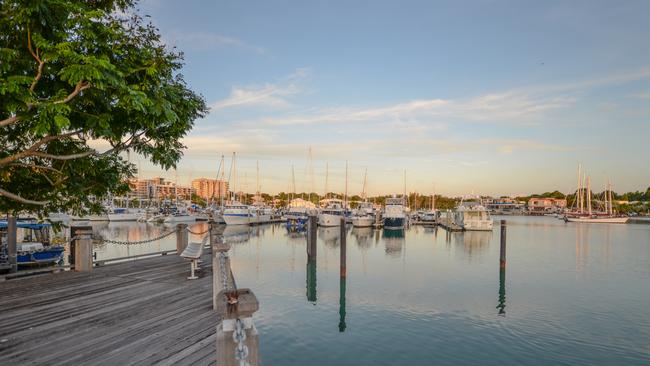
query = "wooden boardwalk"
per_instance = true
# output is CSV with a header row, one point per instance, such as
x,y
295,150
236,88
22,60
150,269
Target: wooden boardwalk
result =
x,y
142,312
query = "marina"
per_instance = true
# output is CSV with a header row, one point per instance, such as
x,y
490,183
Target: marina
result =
x,y
424,282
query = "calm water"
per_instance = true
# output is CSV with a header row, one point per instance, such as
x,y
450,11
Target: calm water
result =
x,y
572,293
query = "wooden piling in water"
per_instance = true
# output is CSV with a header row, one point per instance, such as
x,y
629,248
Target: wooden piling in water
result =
x,y
181,238
343,249
12,249
502,257
312,228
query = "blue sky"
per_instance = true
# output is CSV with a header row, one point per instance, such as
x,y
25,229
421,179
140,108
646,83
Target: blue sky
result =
x,y
484,96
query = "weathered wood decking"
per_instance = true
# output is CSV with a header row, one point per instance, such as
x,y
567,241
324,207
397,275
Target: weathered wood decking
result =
x,y
142,312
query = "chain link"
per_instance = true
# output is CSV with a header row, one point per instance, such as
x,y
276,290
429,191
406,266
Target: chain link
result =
x,y
137,242
224,275
239,336
195,233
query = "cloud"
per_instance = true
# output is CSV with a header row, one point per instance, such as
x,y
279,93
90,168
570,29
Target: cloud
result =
x,y
643,95
266,95
203,41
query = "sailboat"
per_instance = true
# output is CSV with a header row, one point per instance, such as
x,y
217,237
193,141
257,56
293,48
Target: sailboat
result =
x,y
584,211
429,217
364,215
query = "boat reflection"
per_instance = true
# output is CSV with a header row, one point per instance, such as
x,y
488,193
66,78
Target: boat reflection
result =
x,y
393,242
363,236
330,236
473,242
237,234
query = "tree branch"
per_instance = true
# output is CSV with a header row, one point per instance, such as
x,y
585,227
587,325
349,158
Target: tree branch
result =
x,y
41,63
63,157
8,121
82,85
32,149
20,199
36,167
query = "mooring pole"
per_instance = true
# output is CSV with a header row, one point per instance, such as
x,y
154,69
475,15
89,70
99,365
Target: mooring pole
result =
x,y
181,238
12,250
502,258
312,227
342,278
343,249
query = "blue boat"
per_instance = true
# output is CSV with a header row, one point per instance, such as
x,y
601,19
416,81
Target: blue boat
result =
x,y
35,249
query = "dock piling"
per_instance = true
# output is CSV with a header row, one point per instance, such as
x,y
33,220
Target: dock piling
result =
x,y
83,251
181,238
343,249
12,250
312,227
502,257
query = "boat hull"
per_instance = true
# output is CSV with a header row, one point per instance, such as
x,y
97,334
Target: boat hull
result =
x,y
134,216
394,223
49,255
363,221
599,220
237,219
329,220
184,218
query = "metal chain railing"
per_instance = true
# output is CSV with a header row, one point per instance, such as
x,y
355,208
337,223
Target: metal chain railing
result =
x,y
224,275
239,336
195,233
122,242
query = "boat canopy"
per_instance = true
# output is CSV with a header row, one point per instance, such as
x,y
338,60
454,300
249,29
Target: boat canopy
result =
x,y
26,225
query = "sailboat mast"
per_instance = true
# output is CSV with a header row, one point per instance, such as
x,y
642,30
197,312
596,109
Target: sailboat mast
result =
x,y
327,170
345,207
589,195
365,177
610,207
293,181
579,191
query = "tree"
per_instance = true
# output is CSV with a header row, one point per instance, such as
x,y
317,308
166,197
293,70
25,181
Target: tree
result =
x,y
76,75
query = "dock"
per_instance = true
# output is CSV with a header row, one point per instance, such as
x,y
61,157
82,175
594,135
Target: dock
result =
x,y
139,312
448,224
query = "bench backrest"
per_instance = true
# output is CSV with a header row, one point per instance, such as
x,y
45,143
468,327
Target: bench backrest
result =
x,y
193,251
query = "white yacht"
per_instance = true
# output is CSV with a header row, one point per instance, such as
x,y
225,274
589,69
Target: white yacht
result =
x,y
261,214
364,215
332,213
472,216
179,216
237,213
124,214
394,217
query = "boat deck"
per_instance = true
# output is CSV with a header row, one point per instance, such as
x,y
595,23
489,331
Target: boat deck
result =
x,y
140,312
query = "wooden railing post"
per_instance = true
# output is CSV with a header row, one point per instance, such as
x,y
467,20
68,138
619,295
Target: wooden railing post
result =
x,y
83,255
181,238
12,249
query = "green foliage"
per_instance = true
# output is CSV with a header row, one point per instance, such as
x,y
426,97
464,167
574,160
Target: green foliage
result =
x,y
73,72
196,199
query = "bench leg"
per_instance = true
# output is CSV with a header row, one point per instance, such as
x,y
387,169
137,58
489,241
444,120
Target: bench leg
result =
x,y
192,266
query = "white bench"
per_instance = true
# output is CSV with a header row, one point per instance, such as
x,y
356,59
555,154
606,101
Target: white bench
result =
x,y
193,252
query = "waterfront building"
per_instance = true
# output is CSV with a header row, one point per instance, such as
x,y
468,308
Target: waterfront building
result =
x,y
504,206
210,188
157,188
546,205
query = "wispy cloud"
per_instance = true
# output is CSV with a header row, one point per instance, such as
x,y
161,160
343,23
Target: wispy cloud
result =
x,y
265,95
203,41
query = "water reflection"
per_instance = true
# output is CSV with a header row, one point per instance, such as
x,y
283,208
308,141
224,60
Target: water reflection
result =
x,y
363,236
393,242
472,242
236,234
330,236
501,303
342,284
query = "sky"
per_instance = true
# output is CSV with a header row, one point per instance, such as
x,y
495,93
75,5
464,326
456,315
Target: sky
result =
x,y
461,97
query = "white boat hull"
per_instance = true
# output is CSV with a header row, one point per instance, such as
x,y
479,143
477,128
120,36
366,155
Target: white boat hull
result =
x,y
183,218
130,216
236,219
363,221
599,220
478,225
329,220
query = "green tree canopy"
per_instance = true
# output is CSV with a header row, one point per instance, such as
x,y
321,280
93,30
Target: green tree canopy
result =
x,y
80,82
